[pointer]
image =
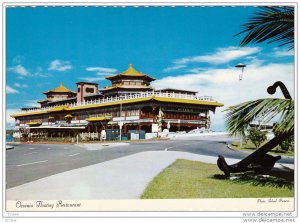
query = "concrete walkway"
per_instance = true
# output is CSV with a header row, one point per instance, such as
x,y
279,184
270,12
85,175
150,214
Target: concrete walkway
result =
x,y
122,178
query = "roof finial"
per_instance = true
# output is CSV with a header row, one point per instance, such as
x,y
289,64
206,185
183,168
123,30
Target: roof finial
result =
x,y
61,84
130,65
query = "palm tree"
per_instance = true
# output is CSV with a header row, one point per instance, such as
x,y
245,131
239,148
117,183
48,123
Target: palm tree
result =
x,y
271,24
239,116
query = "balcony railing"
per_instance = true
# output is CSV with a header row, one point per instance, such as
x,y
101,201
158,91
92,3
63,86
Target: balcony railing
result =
x,y
125,97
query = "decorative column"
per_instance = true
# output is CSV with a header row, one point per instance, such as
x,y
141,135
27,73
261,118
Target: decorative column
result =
x,y
125,129
153,114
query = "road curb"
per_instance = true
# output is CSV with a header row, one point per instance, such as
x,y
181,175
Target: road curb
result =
x,y
9,147
229,147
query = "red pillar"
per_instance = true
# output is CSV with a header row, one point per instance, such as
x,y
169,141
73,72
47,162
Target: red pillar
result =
x,y
125,129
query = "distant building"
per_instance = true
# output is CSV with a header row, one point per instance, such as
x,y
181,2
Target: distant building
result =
x,y
130,101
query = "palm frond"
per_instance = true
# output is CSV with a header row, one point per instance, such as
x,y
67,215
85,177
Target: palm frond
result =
x,y
271,24
239,117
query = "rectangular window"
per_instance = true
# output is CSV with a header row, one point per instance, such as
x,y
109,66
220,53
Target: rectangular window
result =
x,y
133,113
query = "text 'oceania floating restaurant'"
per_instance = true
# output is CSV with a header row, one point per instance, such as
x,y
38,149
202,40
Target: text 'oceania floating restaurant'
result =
x,y
130,104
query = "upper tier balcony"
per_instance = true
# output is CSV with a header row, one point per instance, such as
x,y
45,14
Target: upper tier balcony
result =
x,y
124,98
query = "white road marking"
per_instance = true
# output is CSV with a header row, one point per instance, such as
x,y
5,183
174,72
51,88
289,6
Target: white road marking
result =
x,y
31,148
166,149
75,154
30,153
49,148
25,164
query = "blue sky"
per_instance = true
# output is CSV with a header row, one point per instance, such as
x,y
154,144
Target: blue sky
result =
x,y
183,47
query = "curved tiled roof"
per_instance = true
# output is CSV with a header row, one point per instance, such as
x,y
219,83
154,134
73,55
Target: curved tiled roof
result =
x,y
130,72
128,101
60,89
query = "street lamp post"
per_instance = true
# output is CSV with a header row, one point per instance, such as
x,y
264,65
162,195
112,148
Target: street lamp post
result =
x,y
242,67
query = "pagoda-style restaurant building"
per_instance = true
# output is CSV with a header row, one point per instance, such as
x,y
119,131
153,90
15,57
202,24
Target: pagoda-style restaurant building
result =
x,y
130,104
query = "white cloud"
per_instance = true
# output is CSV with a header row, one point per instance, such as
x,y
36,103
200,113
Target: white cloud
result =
x,y
172,68
221,56
10,122
91,79
224,85
197,70
18,59
24,72
19,69
101,71
20,85
31,103
39,72
283,53
10,90
58,65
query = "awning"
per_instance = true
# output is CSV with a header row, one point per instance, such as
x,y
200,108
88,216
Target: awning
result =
x,y
33,123
59,127
98,119
68,116
59,108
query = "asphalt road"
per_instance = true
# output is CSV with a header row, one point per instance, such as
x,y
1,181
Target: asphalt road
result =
x,y
29,162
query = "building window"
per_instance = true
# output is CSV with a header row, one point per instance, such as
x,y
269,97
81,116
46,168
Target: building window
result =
x,y
89,90
79,89
133,113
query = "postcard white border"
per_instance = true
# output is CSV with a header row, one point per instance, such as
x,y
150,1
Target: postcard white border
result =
x,y
149,213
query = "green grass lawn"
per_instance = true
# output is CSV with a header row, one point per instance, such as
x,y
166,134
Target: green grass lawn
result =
x,y
191,179
249,146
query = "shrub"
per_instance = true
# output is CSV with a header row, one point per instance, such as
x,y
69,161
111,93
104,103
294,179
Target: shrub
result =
x,y
257,137
287,144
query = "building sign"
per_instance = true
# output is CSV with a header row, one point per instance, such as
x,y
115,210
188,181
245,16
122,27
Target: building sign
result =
x,y
154,127
187,110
